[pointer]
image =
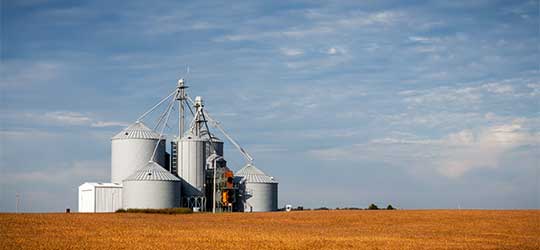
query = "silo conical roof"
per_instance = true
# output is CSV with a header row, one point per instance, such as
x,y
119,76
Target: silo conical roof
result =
x,y
254,175
152,172
137,130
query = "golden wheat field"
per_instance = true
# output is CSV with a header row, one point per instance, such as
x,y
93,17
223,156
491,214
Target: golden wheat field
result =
x,y
400,229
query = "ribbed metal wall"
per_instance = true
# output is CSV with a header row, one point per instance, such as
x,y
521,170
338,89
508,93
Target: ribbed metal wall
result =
x,y
192,161
132,148
152,187
108,199
151,194
216,147
261,190
100,197
262,197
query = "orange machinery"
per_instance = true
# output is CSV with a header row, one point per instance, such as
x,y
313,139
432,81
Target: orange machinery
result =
x,y
227,194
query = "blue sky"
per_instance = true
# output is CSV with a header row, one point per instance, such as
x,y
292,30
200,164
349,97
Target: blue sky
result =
x,y
410,103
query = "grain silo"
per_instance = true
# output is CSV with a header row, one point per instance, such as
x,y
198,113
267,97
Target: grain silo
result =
x,y
216,147
261,190
132,148
151,187
192,162
139,169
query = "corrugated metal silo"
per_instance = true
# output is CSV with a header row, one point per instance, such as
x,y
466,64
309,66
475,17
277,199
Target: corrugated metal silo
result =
x,y
261,190
132,148
192,161
152,187
215,148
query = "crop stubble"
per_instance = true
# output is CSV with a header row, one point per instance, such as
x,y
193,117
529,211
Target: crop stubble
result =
x,y
401,229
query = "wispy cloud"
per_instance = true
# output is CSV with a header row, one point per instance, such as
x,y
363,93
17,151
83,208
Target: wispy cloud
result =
x,y
174,24
442,94
452,155
101,124
28,75
473,93
498,88
291,52
280,34
65,118
335,50
535,87
318,63
423,39
27,134
91,170
320,25
266,148
62,118
363,19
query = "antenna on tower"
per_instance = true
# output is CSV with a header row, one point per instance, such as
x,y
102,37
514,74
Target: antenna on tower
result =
x,y
17,202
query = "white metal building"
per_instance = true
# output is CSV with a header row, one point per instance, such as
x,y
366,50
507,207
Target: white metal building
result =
x,y
100,197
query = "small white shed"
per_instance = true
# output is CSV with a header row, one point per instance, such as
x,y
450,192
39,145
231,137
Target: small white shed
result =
x,y
100,197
